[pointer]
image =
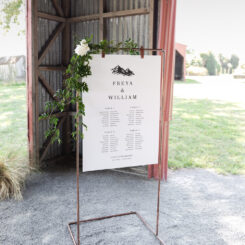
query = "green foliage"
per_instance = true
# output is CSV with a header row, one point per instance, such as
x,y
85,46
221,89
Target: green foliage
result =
x,y
10,12
234,61
227,65
218,68
224,63
75,84
209,62
196,61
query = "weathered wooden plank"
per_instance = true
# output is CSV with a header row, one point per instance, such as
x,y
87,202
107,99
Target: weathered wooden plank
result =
x,y
58,114
31,24
52,68
115,14
36,82
47,87
101,20
151,23
50,17
48,142
83,18
66,55
51,40
58,8
129,12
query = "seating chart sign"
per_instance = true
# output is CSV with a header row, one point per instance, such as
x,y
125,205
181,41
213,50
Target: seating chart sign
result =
x,y
122,112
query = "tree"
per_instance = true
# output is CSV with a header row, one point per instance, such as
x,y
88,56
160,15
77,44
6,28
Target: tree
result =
x,y
196,61
10,13
209,62
228,65
234,60
224,63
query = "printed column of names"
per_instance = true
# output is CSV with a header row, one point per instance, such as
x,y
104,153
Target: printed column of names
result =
x,y
109,120
132,139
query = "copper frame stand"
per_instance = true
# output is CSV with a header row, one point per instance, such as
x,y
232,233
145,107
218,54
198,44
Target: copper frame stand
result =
x,y
78,222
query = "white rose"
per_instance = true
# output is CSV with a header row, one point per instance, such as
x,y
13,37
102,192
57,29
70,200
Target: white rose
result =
x,y
82,48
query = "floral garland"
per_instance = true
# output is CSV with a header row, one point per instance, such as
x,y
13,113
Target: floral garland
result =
x,y
75,84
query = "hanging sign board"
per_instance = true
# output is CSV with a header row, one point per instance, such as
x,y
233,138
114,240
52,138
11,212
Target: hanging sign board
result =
x,y
122,112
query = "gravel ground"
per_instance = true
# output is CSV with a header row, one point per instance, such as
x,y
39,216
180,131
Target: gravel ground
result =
x,y
198,207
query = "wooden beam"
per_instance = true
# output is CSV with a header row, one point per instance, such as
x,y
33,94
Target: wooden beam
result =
x,y
155,24
50,17
63,114
58,8
36,82
51,40
66,55
52,68
115,14
57,114
32,95
47,87
151,23
48,141
122,13
83,18
101,20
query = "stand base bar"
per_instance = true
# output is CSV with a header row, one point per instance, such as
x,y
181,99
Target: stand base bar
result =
x,y
113,216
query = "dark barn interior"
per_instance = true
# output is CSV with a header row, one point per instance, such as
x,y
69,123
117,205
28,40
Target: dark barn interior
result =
x,y
52,30
179,65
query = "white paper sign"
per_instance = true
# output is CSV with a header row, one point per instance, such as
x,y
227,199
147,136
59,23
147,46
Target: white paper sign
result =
x,y
122,112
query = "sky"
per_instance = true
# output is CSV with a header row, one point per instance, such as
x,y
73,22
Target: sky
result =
x,y
216,25
11,43
203,25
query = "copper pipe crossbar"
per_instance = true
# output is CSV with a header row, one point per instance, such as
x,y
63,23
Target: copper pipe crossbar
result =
x,y
113,216
142,50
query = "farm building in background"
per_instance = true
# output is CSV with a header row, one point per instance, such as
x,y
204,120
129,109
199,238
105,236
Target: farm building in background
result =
x,y
13,68
180,61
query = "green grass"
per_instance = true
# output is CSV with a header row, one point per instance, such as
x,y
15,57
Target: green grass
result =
x,y
187,81
13,120
207,134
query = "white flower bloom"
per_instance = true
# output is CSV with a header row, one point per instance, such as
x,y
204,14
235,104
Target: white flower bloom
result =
x,y
82,48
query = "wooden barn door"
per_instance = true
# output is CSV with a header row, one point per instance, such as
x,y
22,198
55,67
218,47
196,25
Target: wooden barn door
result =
x,y
52,27
48,50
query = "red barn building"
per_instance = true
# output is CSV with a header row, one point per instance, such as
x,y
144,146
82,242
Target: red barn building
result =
x,y
180,61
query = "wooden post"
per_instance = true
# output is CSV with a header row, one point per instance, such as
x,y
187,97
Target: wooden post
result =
x,y
166,41
35,81
151,23
66,55
30,78
101,19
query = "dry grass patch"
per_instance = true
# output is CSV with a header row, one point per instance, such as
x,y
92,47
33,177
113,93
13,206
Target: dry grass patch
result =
x,y
13,173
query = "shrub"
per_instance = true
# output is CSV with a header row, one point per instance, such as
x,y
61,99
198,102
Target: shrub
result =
x,y
12,178
209,62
